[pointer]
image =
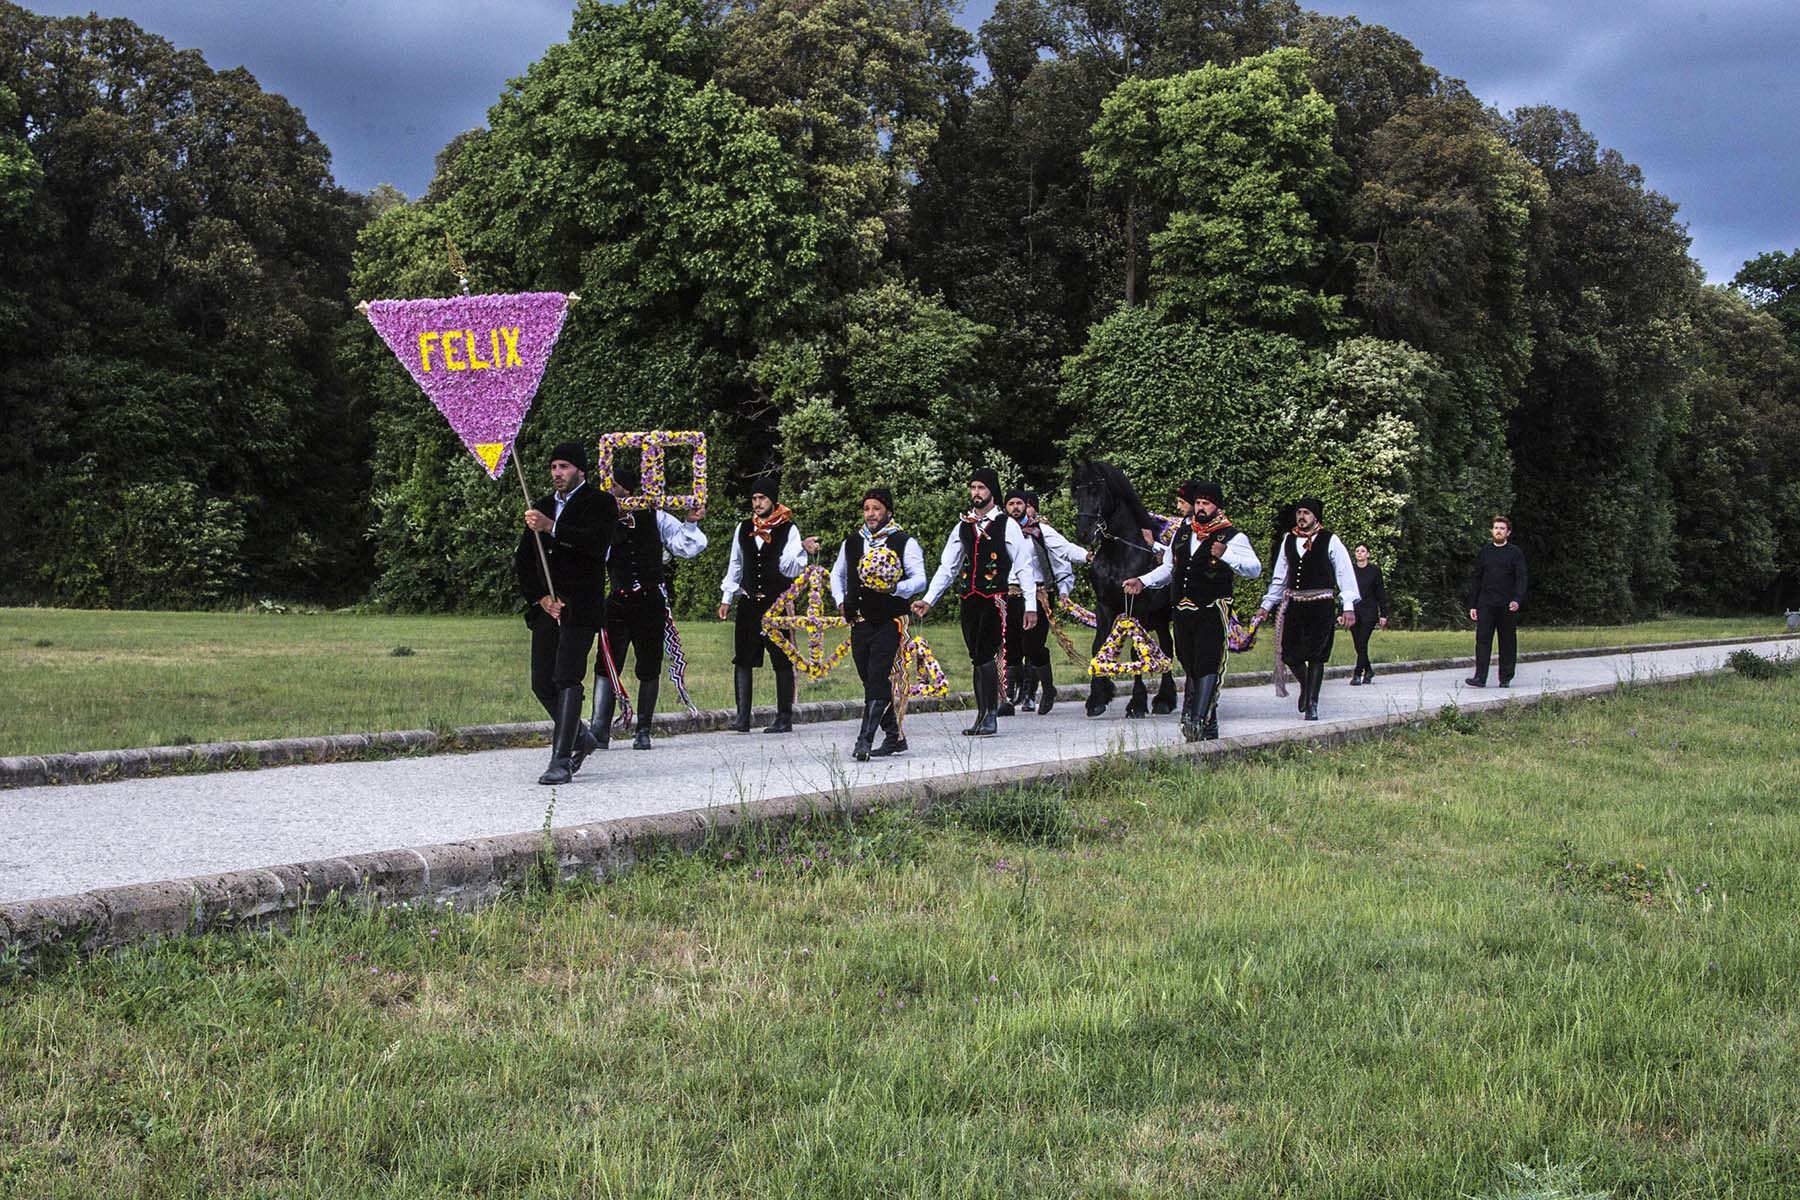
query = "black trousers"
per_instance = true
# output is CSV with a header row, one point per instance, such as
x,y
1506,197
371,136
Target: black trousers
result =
x,y
1360,634
1025,645
1200,641
1307,633
981,628
1489,620
634,621
873,645
559,656
749,645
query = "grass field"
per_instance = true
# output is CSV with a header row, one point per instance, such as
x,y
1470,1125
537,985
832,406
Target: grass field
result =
x,y
87,680
1562,937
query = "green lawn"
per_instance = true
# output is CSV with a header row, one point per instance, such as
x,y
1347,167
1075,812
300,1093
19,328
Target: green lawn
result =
x,y
1561,937
85,680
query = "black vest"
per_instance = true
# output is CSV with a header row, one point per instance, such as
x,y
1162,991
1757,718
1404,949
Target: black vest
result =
x,y
985,567
762,576
1312,571
1198,576
858,600
636,559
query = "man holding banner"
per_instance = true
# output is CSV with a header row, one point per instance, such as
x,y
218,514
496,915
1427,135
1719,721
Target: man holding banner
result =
x,y
574,525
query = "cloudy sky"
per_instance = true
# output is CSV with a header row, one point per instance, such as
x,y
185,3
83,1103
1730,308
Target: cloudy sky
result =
x,y
1702,94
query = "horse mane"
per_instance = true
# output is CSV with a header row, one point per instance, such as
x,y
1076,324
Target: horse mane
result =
x,y
1119,484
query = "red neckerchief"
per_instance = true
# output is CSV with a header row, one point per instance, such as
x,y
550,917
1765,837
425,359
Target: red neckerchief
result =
x,y
1210,527
1029,526
1306,539
763,528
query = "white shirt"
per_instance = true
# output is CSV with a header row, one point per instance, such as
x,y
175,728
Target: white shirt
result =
x,y
912,564
1063,554
562,499
1239,555
684,539
1024,570
793,561
1348,594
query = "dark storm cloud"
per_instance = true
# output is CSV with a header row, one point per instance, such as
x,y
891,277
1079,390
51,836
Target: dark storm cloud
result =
x,y
1702,96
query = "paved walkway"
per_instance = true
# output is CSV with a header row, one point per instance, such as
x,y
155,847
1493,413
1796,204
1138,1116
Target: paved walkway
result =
x,y
56,841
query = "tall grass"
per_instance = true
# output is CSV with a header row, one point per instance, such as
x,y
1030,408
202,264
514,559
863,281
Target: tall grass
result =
x,y
1553,950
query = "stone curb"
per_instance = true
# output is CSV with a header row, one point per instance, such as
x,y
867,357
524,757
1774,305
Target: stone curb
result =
x,y
463,874
93,766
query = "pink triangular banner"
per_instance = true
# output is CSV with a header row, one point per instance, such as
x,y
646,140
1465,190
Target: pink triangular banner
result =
x,y
479,358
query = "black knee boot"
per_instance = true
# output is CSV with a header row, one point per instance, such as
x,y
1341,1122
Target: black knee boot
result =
x,y
987,700
865,737
646,714
784,702
744,681
1027,688
1315,681
1045,685
606,702
1003,697
891,740
1208,708
1190,710
562,742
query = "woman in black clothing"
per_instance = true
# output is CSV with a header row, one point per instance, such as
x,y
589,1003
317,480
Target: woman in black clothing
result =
x,y
1371,611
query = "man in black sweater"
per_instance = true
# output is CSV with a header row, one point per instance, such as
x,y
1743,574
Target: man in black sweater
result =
x,y
574,524
1496,590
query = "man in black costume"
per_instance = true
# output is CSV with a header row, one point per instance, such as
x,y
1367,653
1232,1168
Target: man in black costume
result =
x,y
574,524
1371,614
875,608
1206,558
767,555
637,612
1496,590
1310,568
983,556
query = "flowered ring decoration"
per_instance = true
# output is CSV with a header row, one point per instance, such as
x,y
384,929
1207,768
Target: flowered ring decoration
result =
x,y
927,674
782,625
654,445
1081,613
1111,663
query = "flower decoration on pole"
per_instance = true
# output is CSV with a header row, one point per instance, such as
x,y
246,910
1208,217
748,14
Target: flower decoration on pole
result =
x,y
782,625
1128,633
653,446
479,358
924,670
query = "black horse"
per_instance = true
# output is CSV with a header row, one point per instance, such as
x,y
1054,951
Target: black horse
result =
x,y
1109,522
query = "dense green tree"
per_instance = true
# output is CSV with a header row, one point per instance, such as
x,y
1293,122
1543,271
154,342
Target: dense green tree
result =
x,y
1734,478
620,169
1772,283
181,431
1242,157
1609,284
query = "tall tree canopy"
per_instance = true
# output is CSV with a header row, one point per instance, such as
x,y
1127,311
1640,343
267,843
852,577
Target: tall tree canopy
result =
x,y
176,256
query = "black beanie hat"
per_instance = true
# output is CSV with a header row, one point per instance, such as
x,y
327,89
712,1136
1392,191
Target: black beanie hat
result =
x,y
767,484
1017,494
1030,498
1313,505
573,453
627,473
1202,489
988,476
882,494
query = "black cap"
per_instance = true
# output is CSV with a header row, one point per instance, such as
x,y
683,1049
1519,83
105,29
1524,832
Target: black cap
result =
x,y
767,484
1201,489
1018,494
573,453
1313,505
627,473
988,476
882,494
